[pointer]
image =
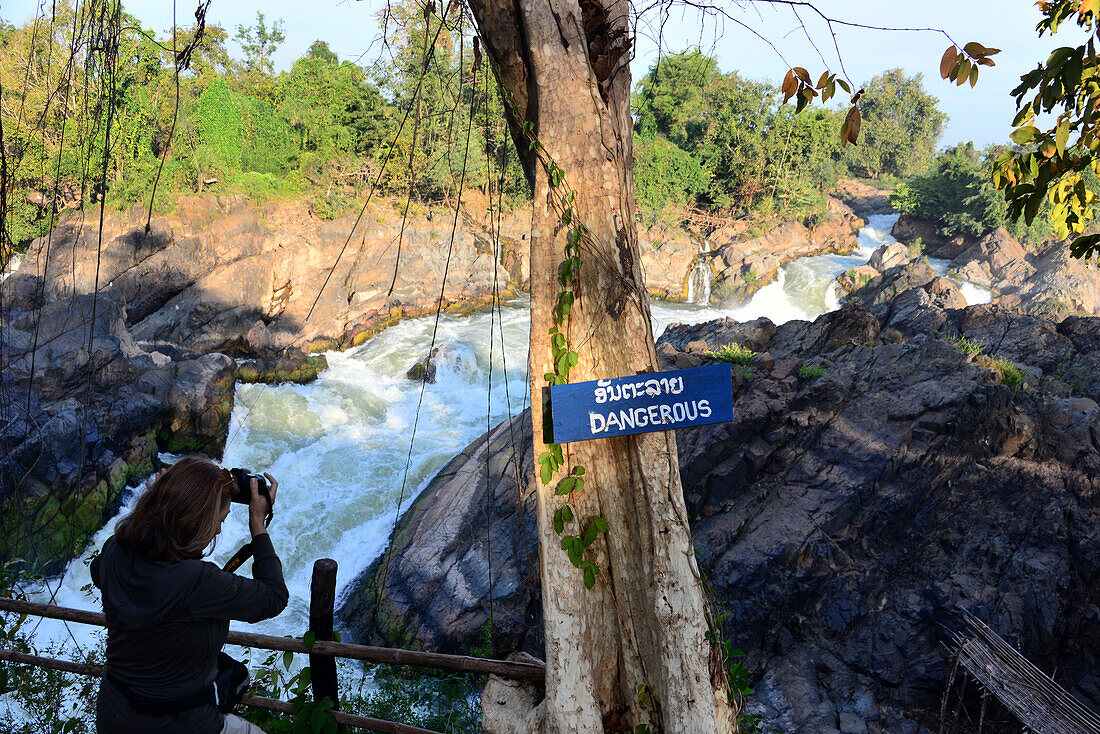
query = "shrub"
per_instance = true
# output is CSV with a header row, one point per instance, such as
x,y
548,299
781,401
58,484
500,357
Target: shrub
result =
x,y
810,371
733,353
1011,375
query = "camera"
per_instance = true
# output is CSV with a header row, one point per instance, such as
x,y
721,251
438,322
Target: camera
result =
x,y
243,493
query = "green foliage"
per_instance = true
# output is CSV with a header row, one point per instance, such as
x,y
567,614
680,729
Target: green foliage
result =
x,y
259,43
1011,375
670,100
42,700
733,352
218,124
1047,164
810,371
665,175
901,124
973,347
737,676
956,194
758,154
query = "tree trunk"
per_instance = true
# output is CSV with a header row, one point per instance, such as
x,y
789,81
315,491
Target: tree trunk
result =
x,y
633,647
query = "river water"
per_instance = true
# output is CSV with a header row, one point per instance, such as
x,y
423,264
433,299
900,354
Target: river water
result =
x,y
342,447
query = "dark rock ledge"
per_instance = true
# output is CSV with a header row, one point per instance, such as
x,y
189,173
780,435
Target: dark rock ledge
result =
x,y
842,519
82,417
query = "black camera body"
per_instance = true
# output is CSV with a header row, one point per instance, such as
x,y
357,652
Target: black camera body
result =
x,y
243,493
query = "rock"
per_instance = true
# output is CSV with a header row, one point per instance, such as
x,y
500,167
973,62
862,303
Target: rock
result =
x,y
83,414
222,276
841,520
424,369
888,256
291,365
668,256
858,278
915,273
743,266
994,260
863,198
1047,281
511,706
438,597
910,229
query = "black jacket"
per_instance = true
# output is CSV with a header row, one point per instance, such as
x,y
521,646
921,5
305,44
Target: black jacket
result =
x,y
166,623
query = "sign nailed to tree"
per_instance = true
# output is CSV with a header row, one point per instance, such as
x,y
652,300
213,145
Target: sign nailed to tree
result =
x,y
657,401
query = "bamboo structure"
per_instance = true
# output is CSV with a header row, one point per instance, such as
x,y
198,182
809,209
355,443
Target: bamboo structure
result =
x,y
1032,696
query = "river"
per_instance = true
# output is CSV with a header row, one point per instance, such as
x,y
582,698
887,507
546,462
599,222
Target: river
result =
x,y
342,447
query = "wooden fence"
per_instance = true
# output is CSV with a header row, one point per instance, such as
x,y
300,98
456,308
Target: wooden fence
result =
x,y
322,654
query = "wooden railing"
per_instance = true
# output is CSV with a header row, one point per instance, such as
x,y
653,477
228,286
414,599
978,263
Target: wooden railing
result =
x,y
322,654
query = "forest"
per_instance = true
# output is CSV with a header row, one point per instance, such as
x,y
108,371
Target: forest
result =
x,y
329,131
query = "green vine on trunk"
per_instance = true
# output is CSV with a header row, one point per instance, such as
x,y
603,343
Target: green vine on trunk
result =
x,y
564,358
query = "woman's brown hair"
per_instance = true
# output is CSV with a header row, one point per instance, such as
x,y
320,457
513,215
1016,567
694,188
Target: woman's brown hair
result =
x,y
177,517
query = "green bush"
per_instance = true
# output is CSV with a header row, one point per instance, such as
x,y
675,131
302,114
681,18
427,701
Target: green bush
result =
x,y
734,353
665,174
810,371
1011,375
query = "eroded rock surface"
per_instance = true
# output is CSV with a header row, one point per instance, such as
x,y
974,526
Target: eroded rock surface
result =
x,y
83,407
224,275
742,265
842,517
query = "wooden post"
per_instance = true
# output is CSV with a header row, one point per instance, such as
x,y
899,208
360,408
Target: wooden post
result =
x,y
322,600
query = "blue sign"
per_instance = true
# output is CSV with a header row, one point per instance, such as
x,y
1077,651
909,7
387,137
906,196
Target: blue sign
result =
x,y
656,401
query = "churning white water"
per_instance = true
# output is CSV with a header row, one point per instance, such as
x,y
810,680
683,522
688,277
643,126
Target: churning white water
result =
x,y
11,266
339,446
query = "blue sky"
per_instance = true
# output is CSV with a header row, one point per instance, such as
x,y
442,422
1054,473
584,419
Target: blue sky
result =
x,y
982,114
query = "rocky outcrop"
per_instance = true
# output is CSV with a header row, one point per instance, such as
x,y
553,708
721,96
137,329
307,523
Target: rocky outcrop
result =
x,y
84,409
668,256
1047,281
223,275
864,199
458,560
843,516
743,266
891,271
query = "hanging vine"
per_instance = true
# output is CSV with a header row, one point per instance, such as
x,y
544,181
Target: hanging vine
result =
x,y
564,358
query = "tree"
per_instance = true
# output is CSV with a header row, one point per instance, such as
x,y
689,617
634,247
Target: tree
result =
x,y
259,44
956,194
672,95
637,643
1047,165
901,126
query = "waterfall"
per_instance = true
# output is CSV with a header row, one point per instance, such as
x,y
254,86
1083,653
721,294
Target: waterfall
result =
x,y
339,446
700,277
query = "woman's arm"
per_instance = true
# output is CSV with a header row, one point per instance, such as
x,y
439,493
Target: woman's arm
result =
x,y
222,595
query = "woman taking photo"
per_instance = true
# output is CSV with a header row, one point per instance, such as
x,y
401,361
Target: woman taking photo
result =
x,y
168,611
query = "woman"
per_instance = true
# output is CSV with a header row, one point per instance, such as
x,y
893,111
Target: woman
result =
x,y
168,611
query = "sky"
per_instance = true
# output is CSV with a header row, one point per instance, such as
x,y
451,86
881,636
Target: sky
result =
x,y
982,114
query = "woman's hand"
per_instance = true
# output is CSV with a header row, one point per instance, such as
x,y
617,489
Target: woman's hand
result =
x,y
257,507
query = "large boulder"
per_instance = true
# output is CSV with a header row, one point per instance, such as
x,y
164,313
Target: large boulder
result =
x,y
864,199
84,409
437,589
846,513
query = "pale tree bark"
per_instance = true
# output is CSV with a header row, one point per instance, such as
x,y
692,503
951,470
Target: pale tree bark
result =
x,y
642,628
